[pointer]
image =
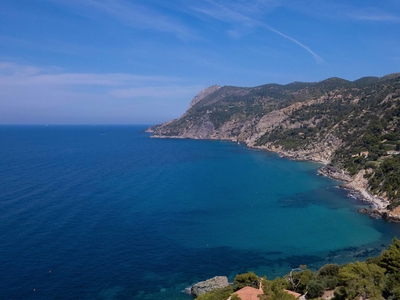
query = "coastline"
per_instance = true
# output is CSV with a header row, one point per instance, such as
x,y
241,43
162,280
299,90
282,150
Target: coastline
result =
x,y
357,185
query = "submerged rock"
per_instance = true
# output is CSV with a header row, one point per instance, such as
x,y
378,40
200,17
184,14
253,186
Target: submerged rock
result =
x,y
202,287
364,211
376,214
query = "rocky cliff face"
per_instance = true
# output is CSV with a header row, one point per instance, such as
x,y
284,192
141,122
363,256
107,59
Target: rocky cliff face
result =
x,y
204,93
248,114
353,125
208,285
298,119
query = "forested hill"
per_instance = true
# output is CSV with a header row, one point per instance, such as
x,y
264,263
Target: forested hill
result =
x,y
354,125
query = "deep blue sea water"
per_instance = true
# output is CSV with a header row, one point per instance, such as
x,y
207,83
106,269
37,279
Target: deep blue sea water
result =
x,y
105,212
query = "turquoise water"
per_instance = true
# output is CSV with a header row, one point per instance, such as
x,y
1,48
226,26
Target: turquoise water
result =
x,y
105,212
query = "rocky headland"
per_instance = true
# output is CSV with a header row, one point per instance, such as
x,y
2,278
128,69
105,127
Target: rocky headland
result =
x,y
208,285
353,128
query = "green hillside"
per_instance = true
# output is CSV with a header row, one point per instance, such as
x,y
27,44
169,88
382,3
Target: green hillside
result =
x,y
353,126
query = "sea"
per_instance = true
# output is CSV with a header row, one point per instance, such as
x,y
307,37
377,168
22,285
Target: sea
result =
x,y
107,212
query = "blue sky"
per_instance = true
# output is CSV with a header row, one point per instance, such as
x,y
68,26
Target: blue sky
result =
x,y
141,62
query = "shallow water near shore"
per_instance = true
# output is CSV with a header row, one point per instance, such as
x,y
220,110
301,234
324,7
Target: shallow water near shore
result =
x,y
105,212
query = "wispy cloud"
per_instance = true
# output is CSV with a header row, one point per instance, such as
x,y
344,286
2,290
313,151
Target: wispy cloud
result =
x,y
31,94
373,14
245,13
156,91
131,14
119,85
342,10
13,74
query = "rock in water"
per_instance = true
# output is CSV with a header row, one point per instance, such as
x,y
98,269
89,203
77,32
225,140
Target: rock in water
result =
x,y
364,211
202,287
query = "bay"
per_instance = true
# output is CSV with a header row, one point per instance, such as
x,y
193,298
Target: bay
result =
x,y
106,212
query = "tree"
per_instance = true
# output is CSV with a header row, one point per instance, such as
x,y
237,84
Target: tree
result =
x,y
328,275
329,270
235,297
362,280
315,288
330,282
299,278
304,278
275,290
341,294
392,285
246,279
217,294
390,259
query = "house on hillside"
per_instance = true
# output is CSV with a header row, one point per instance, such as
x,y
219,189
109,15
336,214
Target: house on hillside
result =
x,y
250,293
361,154
391,152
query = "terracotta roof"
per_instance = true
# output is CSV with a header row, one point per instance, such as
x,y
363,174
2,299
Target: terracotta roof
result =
x,y
296,295
248,293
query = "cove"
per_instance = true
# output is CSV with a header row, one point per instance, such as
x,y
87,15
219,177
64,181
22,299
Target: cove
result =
x,y
106,212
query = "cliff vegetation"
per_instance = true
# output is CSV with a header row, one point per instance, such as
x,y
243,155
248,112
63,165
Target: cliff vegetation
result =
x,y
377,278
351,126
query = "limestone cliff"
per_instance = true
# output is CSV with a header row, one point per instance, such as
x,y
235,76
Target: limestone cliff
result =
x,y
204,93
353,125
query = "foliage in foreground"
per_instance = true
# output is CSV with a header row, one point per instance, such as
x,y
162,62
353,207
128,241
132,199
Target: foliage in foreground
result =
x,y
377,278
223,293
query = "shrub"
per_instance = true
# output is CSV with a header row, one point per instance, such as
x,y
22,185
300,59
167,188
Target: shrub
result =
x,y
329,270
315,288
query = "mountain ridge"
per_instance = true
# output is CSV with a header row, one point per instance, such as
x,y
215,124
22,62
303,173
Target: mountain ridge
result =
x,y
333,121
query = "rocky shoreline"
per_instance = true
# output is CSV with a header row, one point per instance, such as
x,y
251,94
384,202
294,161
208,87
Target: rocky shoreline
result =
x,y
315,120
357,185
358,189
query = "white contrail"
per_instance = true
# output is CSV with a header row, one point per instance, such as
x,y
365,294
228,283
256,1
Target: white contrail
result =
x,y
229,15
317,58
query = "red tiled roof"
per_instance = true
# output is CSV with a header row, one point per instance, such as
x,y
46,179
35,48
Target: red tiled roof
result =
x,y
248,293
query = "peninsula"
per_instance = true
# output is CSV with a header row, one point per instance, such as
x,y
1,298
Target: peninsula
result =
x,y
352,127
